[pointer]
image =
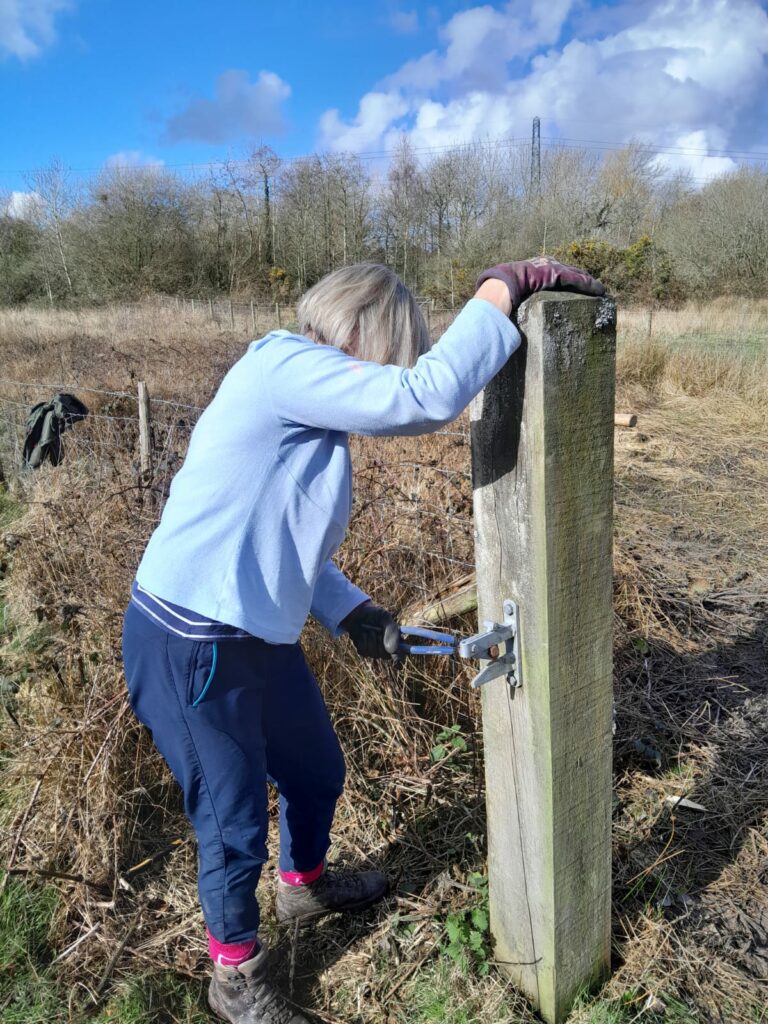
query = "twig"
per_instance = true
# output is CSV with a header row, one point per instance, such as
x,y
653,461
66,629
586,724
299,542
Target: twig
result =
x,y
294,947
115,957
660,859
171,848
19,833
76,943
44,873
101,749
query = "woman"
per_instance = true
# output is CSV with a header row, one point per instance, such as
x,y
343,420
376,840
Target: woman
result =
x,y
243,554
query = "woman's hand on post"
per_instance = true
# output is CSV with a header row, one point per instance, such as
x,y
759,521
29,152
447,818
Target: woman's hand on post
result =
x,y
524,278
373,631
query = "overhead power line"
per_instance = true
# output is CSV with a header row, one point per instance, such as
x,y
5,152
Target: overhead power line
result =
x,y
674,150
564,142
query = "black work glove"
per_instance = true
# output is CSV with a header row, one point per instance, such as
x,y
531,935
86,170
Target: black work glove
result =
x,y
525,277
373,631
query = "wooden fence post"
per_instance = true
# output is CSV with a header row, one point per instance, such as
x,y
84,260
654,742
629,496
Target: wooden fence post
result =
x,y
542,455
277,314
231,315
253,319
145,435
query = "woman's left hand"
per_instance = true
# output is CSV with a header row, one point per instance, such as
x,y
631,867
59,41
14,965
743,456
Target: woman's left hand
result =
x,y
373,631
524,278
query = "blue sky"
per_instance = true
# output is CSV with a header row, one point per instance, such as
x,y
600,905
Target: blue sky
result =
x,y
178,83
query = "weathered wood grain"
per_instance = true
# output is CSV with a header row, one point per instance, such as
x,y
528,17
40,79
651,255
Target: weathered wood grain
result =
x,y
542,450
145,435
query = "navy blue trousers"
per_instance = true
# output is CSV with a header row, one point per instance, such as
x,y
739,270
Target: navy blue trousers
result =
x,y
228,717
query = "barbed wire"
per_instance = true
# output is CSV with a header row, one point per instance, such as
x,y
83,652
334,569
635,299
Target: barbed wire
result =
x,y
67,387
102,436
165,434
167,402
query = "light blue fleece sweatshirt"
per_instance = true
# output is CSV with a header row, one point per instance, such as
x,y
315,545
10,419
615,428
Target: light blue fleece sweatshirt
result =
x,y
263,498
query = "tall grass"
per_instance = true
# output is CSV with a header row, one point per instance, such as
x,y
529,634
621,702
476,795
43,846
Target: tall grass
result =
x,y
719,349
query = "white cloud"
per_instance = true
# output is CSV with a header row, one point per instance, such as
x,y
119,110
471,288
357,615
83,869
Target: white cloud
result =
x,y
128,158
239,107
27,27
693,157
478,115
480,43
22,205
378,115
406,23
684,74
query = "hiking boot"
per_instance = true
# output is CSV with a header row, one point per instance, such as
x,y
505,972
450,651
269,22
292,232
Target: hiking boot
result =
x,y
244,995
337,889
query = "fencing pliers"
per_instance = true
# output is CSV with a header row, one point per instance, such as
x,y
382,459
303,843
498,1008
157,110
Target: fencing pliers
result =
x,y
444,643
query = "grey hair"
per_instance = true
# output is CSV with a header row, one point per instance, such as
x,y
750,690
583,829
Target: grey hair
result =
x,y
366,310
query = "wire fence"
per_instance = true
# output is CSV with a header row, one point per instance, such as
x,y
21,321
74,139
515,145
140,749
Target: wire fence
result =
x,y
238,314
743,324
740,324
112,427
412,512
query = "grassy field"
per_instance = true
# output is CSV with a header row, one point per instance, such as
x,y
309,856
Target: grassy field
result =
x,y
88,934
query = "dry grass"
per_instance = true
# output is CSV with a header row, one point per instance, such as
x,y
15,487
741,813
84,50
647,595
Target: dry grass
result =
x,y
85,795
113,346
718,349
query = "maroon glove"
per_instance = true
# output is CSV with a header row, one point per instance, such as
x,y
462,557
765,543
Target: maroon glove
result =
x,y
524,277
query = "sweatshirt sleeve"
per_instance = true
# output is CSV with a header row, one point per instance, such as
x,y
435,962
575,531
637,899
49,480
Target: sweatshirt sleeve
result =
x,y
319,386
334,598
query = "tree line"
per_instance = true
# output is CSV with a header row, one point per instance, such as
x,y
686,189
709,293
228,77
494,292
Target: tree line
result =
x,y
268,228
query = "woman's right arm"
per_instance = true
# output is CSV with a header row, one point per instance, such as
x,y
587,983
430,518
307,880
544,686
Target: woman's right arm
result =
x,y
319,386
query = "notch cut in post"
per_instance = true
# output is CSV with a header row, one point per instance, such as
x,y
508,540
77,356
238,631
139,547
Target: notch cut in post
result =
x,y
542,454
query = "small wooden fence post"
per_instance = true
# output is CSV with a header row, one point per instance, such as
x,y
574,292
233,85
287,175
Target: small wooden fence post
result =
x,y
542,454
145,435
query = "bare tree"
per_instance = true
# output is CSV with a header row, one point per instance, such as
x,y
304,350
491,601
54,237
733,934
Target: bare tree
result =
x,y
719,235
402,209
135,235
55,194
267,163
628,180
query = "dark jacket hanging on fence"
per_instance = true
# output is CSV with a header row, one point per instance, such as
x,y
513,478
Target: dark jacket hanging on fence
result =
x,y
46,422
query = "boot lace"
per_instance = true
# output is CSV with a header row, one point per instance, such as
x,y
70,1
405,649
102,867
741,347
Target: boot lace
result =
x,y
263,995
337,877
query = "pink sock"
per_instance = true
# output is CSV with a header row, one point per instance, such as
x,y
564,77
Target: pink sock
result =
x,y
231,954
302,877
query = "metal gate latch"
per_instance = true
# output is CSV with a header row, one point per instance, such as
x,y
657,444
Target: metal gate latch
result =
x,y
487,646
